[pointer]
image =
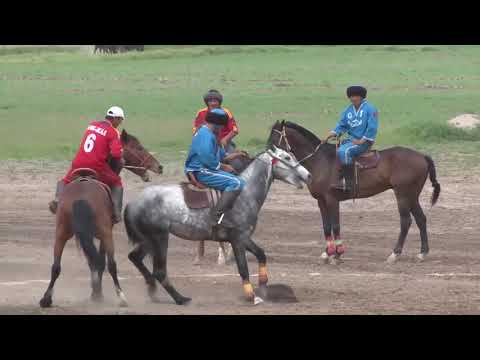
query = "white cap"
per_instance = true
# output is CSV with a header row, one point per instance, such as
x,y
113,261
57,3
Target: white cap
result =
x,y
116,111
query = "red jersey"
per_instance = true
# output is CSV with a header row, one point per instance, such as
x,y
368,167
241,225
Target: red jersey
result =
x,y
100,141
231,123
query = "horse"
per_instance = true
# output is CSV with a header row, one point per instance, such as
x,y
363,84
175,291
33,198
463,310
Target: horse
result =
x,y
239,164
85,210
161,210
402,169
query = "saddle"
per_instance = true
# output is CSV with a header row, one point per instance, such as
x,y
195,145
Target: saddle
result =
x,y
368,160
197,195
87,174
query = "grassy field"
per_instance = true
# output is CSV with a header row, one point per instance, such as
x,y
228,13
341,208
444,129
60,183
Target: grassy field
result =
x,y
48,95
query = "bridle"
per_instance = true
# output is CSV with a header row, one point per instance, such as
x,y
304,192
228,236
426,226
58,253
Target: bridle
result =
x,y
283,135
142,160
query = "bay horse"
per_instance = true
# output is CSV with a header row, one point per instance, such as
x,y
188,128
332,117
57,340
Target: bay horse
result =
x,y
401,169
161,210
85,210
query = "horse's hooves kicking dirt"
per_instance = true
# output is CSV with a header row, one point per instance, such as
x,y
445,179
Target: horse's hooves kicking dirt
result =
x,y
278,293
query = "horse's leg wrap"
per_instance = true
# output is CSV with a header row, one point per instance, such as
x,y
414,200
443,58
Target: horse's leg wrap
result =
x,y
339,246
248,290
262,274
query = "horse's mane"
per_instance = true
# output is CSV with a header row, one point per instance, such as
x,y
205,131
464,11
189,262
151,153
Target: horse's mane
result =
x,y
306,133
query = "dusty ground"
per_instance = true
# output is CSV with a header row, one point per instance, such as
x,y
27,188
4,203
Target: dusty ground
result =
x,y
288,230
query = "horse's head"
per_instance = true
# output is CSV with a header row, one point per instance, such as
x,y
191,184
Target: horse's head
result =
x,y
286,168
137,159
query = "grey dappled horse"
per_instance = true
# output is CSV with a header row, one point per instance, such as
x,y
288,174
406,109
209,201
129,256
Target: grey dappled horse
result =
x,y
161,210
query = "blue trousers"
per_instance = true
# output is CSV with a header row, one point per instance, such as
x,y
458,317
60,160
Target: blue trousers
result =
x,y
347,151
220,180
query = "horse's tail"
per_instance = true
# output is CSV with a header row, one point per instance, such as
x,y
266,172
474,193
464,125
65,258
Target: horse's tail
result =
x,y
83,224
135,236
433,178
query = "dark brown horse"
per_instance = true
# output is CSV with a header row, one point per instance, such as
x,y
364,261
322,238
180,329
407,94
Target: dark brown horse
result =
x,y
401,169
85,210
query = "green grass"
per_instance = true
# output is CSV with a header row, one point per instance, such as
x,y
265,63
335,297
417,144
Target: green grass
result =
x,y
48,95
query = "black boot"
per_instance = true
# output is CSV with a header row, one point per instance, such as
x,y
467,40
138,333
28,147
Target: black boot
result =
x,y
217,213
349,174
339,182
117,198
53,205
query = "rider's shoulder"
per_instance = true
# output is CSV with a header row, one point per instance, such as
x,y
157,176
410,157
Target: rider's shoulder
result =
x,y
201,111
229,113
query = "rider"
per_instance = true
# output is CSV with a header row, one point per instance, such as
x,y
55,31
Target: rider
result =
x,y
213,99
360,122
204,160
100,143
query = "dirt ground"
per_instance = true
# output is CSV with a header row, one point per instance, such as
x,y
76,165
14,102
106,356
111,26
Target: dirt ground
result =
x,y
289,230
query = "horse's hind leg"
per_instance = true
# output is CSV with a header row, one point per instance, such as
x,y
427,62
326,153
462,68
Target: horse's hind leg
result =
x,y
136,256
160,245
112,268
61,238
101,267
404,207
421,221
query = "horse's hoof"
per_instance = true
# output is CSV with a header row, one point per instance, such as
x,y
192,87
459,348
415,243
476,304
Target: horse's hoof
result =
x,y
183,300
122,300
421,257
324,257
46,302
393,258
257,300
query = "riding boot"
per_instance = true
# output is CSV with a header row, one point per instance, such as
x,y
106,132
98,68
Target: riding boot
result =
x,y
217,213
339,182
53,205
349,174
117,198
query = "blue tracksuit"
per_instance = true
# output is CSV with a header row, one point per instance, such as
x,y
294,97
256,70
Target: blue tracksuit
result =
x,y
358,124
204,160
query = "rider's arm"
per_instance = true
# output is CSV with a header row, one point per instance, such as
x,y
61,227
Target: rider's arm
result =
x,y
233,127
197,122
342,126
206,147
115,144
372,127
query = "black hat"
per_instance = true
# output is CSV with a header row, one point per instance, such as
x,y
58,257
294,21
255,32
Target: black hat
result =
x,y
357,91
217,116
213,94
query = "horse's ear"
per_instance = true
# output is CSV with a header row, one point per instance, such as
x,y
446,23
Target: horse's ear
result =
x,y
124,136
283,123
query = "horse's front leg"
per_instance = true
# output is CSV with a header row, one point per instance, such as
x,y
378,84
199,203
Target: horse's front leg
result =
x,y
327,229
335,248
200,253
239,251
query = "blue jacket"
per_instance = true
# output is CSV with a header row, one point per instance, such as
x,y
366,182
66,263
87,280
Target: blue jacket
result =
x,y
359,124
205,153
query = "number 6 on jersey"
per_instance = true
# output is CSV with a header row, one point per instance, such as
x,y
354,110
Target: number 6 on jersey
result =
x,y
89,143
